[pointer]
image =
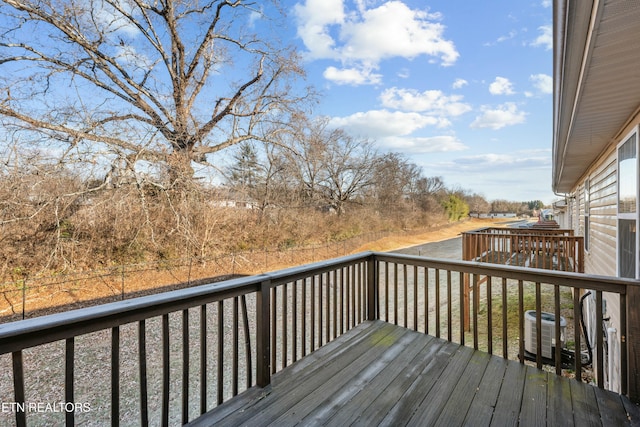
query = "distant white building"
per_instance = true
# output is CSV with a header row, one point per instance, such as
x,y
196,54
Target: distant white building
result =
x,y
493,215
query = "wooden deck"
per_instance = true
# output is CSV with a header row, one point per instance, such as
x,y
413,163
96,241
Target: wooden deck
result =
x,y
381,374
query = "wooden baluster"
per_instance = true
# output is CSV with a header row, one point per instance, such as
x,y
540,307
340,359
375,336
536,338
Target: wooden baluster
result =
x,y
18,387
415,297
489,317
165,370
538,327
505,338
69,379
449,304
294,326
142,369
115,376
558,348
599,341
185,366
203,359
437,303
520,321
406,294
285,321
335,304
274,329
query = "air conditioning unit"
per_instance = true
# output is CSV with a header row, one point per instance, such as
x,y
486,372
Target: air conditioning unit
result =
x,y
548,321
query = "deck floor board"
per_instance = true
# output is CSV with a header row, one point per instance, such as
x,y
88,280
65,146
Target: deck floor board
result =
x,y
380,374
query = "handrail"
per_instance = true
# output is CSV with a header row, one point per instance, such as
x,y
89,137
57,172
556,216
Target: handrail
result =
x,y
564,278
45,329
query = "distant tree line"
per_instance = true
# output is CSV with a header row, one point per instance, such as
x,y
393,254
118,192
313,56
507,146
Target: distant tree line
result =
x,y
317,184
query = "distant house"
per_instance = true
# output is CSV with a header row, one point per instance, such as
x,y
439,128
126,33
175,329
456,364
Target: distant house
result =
x,y
595,141
237,204
224,198
560,213
492,215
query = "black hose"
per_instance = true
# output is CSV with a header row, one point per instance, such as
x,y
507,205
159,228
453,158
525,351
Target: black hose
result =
x,y
584,331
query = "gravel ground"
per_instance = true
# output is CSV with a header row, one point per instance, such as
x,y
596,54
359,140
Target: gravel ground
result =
x,y
449,249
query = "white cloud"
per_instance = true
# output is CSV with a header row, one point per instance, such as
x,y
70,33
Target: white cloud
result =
x,y
506,114
351,76
512,34
316,17
129,56
362,38
459,83
542,82
405,73
112,21
417,145
545,39
385,123
393,30
546,3
519,160
501,86
429,101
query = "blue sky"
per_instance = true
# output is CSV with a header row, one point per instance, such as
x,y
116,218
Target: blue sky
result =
x,y
461,88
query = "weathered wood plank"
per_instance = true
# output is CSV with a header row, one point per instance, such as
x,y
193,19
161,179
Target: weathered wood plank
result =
x,y
559,408
339,388
585,406
612,410
533,411
507,410
362,387
486,395
343,344
275,404
437,395
633,411
399,396
406,406
301,369
455,409
422,349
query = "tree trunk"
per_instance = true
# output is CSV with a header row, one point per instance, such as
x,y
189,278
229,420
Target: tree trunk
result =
x,y
180,172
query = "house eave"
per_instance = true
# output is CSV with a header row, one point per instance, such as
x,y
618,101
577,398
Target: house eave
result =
x,y
596,82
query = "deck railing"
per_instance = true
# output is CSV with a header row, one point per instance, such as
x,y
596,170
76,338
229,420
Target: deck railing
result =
x,y
552,249
170,357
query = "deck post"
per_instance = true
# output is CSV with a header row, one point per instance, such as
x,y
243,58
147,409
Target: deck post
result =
x,y
467,255
372,288
263,335
632,341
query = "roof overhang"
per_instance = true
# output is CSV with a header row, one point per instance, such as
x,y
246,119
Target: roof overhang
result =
x,y
596,81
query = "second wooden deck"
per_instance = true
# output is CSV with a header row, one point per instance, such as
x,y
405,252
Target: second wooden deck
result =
x,y
381,374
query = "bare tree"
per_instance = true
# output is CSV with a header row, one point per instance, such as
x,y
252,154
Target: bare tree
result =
x,y
349,166
395,178
331,168
167,82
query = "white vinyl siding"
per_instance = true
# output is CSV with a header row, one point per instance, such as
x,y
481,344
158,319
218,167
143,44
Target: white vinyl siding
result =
x,y
601,258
